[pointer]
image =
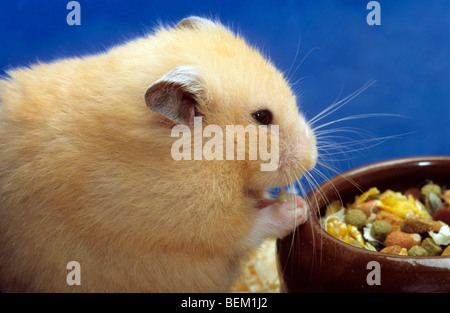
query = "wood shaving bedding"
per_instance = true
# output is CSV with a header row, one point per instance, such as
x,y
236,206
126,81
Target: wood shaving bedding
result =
x,y
260,271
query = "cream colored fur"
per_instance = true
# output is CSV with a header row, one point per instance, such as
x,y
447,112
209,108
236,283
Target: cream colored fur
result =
x,y
86,172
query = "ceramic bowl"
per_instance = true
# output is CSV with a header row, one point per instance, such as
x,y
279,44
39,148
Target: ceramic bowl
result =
x,y
311,260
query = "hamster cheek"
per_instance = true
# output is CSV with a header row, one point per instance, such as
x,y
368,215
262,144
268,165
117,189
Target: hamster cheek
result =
x,y
281,218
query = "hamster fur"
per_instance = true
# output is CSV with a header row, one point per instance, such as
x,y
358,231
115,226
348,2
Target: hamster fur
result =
x,y
86,172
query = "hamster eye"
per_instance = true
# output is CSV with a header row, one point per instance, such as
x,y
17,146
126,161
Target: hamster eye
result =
x,y
263,117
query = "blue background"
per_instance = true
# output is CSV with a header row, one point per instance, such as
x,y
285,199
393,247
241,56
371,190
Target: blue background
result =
x,y
327,46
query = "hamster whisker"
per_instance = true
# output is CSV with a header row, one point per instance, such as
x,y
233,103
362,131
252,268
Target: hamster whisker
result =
x,y
289,75
339,104
313,182
330,148
334,145
354,117
352,130
296,188
310,181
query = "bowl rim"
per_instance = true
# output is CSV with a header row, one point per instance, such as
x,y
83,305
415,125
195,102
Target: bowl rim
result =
x,y
404,161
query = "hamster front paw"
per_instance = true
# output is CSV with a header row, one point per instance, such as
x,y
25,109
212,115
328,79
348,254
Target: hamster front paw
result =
x,y
282,216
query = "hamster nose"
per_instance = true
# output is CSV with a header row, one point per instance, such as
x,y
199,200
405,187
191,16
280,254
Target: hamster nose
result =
x,y
311,155
300,154
306,146
310,159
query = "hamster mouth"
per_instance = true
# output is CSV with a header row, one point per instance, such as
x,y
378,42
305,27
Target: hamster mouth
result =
x,y
262,203
261,197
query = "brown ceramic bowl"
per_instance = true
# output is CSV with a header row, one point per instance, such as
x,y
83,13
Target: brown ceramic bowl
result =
x,y
311,260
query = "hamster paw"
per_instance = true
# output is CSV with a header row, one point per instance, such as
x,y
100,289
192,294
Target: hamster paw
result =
x,y
282,216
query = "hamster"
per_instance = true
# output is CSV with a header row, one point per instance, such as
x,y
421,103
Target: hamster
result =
x,y
87,174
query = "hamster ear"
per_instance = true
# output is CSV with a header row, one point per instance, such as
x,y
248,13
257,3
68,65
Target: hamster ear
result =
x,y
194,22
177,94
